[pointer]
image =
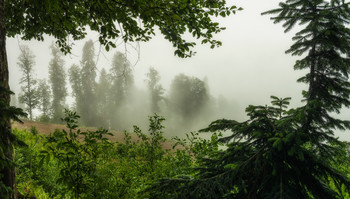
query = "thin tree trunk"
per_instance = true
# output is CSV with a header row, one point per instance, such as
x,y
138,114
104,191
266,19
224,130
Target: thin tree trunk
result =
x,y
8,173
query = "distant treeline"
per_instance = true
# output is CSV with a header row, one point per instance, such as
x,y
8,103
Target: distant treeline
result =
x,y
110,99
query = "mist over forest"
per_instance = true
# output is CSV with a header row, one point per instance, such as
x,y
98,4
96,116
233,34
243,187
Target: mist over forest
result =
x,y
109,98
271,104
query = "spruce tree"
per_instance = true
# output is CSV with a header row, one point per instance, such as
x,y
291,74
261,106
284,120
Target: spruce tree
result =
x,y
325,42
29,95
57,77
281,152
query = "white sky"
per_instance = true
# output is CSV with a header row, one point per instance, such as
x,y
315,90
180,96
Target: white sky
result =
x,y
249,67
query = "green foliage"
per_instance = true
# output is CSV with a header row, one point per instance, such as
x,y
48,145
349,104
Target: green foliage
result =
x,y
280,153
35,179
65,20
326,40
197,147
151,148
266,157
75,164
78,159
325,37
276,153
132,168
7,113
114,19
63,164
342,163
147,159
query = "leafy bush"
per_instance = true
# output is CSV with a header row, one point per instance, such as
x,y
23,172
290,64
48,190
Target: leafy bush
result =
x,y
76,164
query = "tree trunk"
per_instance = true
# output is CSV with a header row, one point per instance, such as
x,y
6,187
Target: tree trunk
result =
x,y
8,172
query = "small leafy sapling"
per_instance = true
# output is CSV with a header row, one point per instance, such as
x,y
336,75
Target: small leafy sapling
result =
x,y
152,144
77,153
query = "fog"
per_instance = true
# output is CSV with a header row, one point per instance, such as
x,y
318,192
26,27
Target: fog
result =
x,y
249,67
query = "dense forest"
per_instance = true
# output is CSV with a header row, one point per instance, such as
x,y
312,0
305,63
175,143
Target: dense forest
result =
x,y
109,98
277,153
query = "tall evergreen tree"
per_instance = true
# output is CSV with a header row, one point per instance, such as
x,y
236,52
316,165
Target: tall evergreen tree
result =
x,y
156,90
57,76
88,85
326,42
29,96
281,153
44,94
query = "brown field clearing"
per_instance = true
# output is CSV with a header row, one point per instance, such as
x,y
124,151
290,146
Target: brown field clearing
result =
x,y
47,128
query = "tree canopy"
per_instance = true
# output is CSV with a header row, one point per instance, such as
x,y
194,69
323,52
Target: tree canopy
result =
x,y
132,20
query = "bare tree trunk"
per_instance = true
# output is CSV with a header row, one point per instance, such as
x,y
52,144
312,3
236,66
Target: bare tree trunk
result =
x,y
7,173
